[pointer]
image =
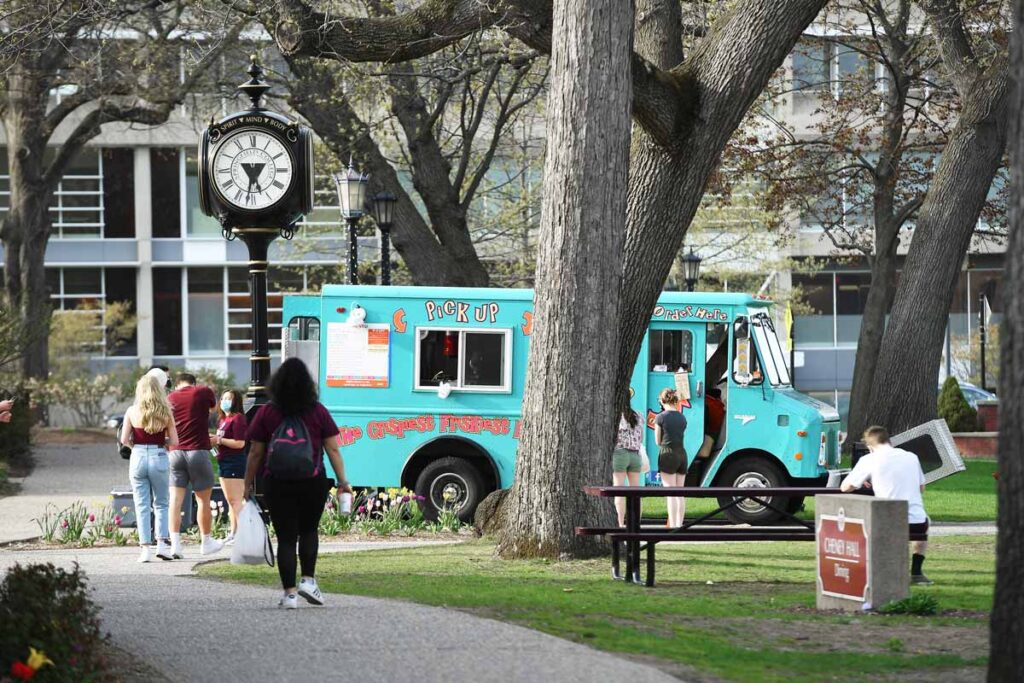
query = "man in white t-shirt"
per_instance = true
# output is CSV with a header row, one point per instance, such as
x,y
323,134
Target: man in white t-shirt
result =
x,y
896,474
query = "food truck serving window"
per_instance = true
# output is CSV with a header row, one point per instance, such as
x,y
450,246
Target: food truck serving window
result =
x,y
670,350
471,360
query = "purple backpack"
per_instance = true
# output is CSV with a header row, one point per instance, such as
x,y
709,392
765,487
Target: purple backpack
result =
x,y
290,452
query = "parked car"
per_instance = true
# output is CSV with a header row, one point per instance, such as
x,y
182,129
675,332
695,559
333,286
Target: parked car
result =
x,y
974,393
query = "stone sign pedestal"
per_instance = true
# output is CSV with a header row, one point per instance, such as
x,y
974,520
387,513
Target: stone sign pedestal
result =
x,y
862,552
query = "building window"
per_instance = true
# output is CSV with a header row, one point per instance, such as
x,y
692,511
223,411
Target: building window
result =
x,y
851,296
77,208
118,192
471,360
670,350
811,65
85,291
198,223
205,311
814,326
165,191
167,332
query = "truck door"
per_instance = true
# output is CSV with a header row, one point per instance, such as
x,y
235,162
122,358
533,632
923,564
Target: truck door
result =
x,y
671,347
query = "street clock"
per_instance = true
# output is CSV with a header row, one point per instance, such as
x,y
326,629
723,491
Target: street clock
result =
x,y
256,167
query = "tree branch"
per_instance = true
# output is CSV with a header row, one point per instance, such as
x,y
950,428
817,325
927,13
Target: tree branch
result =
x,y
954,43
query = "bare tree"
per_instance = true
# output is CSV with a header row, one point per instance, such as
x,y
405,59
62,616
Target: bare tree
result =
x,y
975,59
111,61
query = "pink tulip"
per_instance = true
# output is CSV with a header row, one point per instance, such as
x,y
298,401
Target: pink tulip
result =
x,y
117,519
92,517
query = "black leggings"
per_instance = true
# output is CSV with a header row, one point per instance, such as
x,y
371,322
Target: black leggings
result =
x,y
295,509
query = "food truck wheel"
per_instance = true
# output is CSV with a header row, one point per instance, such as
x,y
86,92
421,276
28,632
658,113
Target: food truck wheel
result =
x,y
753,472
451,482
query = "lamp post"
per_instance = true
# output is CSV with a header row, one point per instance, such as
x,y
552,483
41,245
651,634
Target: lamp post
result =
x,y
383,213
691,269
351,197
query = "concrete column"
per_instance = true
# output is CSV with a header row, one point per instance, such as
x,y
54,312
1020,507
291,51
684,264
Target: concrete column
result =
x,y
144,240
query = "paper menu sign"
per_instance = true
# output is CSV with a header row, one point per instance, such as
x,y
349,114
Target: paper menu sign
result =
x,y
358,355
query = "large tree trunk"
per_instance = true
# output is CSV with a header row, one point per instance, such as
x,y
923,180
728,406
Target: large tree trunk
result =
x,y
1006,654
869,339
904,392
27,223
723,77
568,406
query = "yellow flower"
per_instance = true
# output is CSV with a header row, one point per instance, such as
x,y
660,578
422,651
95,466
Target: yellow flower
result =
x,y
124,509
37,659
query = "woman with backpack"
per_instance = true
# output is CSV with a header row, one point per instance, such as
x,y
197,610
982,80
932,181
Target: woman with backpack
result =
x,y
287,439
148,429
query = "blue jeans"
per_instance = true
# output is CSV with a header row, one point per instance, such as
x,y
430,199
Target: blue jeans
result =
x,y
148,470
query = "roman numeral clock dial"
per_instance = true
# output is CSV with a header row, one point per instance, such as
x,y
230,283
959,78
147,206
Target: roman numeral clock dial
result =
x,y
252,170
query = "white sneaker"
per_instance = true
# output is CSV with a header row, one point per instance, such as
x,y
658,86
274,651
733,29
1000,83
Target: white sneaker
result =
x,y
176,552
230,540
289,601
311,592
163,551
210,546
146,555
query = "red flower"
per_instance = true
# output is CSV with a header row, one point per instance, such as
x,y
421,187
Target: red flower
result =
x,y
22,671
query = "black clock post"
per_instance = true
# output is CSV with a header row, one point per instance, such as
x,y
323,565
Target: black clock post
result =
x,y
256,179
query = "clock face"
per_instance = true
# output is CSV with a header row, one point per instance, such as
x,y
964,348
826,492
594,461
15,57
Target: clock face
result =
x,y
252,170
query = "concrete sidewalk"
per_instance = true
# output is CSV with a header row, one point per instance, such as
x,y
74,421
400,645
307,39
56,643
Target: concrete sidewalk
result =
x,y
63,474
191,629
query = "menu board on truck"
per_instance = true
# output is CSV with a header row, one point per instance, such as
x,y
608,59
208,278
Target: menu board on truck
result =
x,y
358,355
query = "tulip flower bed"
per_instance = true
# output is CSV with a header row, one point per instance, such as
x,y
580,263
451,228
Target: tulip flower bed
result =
x,y
49,627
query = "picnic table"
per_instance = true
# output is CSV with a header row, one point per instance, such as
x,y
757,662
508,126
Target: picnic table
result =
x,y
637,539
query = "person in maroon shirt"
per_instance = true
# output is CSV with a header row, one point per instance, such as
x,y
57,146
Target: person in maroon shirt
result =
x,y
295,504
190,463
230,443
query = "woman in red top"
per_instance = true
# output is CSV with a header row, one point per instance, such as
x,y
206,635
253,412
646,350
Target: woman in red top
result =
x,y
230,443
295,504
149,430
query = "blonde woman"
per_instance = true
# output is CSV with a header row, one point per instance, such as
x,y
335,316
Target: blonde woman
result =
x,y
669,429
149,430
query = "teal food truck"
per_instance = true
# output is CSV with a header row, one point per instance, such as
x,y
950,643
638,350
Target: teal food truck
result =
x,y
426,386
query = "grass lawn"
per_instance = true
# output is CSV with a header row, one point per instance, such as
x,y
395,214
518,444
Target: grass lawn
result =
x,y
968,496
737,612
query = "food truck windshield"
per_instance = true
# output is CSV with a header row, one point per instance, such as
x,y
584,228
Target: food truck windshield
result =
x,y
771,350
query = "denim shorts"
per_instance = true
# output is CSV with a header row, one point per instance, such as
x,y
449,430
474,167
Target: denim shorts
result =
x,y
232,466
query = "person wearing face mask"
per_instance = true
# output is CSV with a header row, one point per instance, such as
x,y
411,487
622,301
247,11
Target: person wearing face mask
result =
x,y
231,459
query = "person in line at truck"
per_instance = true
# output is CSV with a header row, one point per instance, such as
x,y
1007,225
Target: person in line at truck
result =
x,y
148,429
626,461
6,408
896,474
190,462
287,440
669,429
230,443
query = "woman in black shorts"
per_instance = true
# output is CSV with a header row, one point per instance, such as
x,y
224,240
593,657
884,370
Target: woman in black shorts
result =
x,y
669,429
230,443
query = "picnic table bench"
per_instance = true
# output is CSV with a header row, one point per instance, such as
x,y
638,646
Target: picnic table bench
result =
x,y
632,535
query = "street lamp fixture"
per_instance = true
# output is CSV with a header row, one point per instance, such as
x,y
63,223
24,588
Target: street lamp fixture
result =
x,y
383,213
691,269
351,198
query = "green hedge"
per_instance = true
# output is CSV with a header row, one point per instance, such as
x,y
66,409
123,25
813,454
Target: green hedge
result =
x,y
955,409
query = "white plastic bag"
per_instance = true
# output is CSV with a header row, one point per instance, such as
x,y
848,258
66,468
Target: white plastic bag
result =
x,y
645,462
252,542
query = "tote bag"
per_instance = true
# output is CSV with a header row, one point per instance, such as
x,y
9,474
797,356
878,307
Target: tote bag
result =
x,y
252,540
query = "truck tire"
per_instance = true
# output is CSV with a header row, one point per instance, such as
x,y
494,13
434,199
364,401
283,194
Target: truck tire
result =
x,y
458,479
753,472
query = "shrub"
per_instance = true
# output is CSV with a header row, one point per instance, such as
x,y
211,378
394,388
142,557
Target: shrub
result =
x,y
955,409
49,609
920,604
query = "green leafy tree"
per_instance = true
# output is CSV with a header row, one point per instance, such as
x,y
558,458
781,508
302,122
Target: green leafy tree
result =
x,y
955,409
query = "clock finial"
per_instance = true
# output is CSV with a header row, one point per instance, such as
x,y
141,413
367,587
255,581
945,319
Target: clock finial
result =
x,y
254,88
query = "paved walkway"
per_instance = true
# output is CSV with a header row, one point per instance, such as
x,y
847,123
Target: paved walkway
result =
x,y
63,474
191,629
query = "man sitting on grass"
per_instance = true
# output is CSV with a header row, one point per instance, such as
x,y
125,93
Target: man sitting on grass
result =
x,y
896,474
